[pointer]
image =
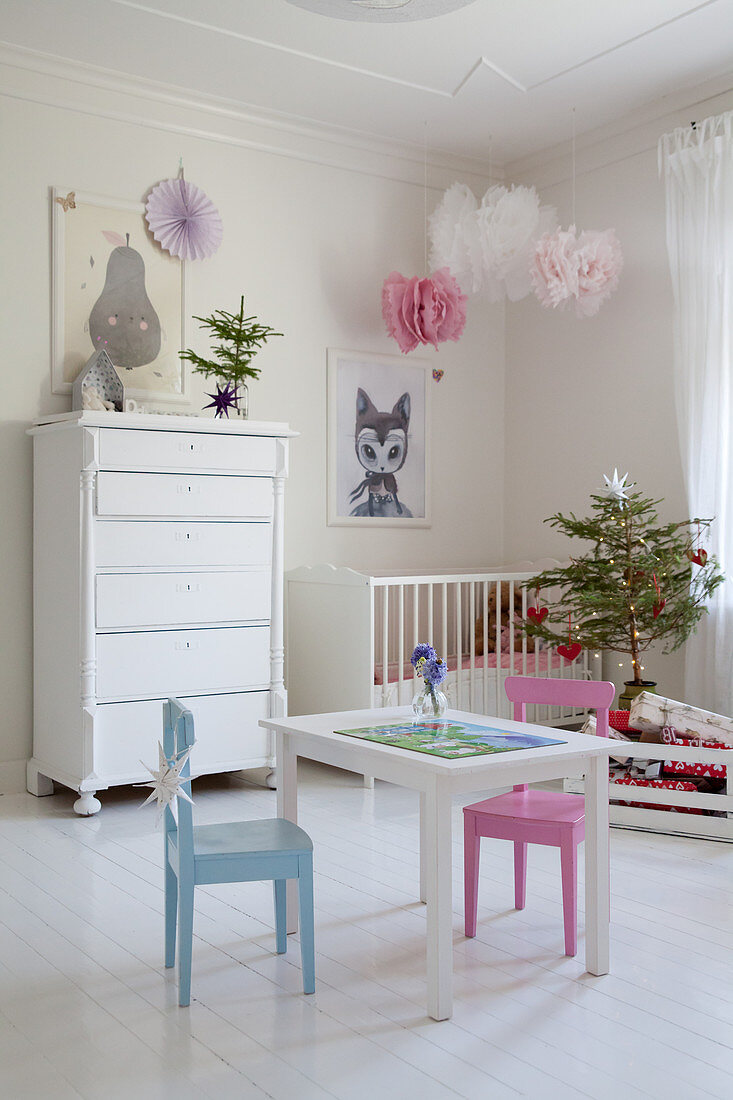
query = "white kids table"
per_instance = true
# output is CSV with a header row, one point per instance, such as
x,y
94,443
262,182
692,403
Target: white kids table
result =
x,y
312,736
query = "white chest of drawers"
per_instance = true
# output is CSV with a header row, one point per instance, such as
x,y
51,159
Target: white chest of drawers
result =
x,y
158,571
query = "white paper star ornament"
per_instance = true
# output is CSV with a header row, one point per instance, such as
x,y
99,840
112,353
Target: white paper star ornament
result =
x,y
166,780
616,487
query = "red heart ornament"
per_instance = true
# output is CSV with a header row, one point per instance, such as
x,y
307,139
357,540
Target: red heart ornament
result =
x,y
658,608
690,554
537,615
569,652
699,557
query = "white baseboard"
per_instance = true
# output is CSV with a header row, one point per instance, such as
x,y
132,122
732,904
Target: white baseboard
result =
x,y
12,776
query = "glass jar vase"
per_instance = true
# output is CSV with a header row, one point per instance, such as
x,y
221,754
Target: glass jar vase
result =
x,y
430,702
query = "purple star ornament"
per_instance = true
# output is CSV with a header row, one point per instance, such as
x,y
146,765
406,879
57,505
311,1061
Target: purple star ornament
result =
x,y
223,400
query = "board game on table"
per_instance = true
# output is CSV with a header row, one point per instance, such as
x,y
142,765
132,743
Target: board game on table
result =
x,y
449,739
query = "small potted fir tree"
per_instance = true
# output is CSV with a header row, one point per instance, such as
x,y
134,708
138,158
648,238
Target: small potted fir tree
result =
x,y
640,582
239,339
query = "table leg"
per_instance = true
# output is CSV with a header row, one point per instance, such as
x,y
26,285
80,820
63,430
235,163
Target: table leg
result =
x,y
597,868
423,849
439,895
287,806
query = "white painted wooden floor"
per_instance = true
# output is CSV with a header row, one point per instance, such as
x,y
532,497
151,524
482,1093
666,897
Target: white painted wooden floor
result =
x,y
88,1010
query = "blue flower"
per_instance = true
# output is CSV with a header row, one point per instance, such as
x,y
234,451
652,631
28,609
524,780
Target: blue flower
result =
x,y
422,652
434,671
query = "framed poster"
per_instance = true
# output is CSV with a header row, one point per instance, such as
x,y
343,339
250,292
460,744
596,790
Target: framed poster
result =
x,y
115,288
378,417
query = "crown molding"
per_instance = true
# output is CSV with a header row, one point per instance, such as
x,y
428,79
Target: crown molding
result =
x,y
625,137
60,83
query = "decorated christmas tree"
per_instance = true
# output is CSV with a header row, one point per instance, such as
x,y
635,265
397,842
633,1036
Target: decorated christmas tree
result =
x,y
639,582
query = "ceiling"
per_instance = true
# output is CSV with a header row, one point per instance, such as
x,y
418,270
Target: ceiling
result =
x,y
499,73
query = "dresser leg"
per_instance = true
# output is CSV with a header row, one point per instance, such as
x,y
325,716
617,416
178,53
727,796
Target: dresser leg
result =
x,y
86,804
37,783
271,780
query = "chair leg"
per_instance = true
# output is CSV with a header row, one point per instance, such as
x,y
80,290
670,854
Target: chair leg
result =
x,y
520,874
185,940
569,868
305,904
471,853
171,907
281,932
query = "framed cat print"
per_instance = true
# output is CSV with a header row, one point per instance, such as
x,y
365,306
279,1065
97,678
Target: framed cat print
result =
x,y
378,418
115,289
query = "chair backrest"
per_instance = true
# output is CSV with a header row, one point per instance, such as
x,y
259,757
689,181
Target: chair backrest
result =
x,y
178,735
593,694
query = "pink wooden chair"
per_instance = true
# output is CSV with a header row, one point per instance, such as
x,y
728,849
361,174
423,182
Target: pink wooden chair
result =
x,y
528,816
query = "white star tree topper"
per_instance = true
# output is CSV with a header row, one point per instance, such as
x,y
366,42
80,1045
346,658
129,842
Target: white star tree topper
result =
x,y
166,780
616,487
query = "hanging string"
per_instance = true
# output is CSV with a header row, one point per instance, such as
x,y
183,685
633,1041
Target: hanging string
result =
x,y
573,166
425,196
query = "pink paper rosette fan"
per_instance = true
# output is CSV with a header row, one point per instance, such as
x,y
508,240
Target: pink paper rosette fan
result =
x,y
423,311
585,268
183,220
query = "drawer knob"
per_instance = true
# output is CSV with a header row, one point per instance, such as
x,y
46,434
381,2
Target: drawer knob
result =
x,y
184,587
187,645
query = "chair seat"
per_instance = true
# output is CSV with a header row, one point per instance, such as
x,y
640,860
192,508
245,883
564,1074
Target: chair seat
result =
x,y
272,835
537,807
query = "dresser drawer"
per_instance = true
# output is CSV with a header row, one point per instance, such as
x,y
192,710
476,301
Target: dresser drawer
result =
x,y
227,734
179,662
205,495
169,599
140,544
128,449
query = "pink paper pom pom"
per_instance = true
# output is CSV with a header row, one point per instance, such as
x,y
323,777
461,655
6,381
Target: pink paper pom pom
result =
x,y
554,268
599,266
584,268
423,311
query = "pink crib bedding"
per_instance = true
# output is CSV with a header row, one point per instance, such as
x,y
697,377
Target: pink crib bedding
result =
x,y
546,659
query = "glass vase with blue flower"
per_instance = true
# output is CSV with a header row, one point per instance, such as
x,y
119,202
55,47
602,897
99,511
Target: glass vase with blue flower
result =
x,y
429,702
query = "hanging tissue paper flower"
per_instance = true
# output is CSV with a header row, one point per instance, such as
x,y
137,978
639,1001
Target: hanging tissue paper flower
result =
x,y
599,267
423,311
489,247
450,233
584,268
183,220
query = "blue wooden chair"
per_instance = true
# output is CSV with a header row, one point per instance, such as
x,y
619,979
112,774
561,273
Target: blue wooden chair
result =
x,y
237,851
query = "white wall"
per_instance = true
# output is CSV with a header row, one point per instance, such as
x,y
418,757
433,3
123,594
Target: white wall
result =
x,y
583,396
312,227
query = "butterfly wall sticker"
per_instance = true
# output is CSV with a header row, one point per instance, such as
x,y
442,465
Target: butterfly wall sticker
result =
x,y
68,203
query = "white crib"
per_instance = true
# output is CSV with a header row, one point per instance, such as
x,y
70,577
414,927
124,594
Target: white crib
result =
x,y
350,636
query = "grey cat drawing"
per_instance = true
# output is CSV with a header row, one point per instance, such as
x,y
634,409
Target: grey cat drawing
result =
x,y
123,322
380,439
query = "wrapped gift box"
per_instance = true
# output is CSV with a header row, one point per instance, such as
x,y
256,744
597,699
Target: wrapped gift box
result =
x,y
665,784
682,767
651,712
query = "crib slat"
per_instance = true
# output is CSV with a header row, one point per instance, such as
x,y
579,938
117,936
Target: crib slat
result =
x,y
415,629
498,675
444,624
472,644
385,646
430,637
459,643
401,640
485,617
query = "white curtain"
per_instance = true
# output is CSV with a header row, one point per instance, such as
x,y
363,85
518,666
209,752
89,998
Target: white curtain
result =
x,y
697,166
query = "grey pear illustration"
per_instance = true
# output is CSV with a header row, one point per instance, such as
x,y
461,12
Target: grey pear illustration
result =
x,y
123,321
